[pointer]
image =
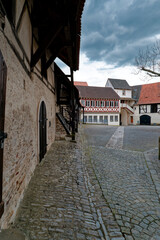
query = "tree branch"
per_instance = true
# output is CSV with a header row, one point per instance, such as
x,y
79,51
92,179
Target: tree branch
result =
x,y
155,74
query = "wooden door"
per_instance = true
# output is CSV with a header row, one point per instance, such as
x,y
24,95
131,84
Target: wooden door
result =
x,y
42,131
3,77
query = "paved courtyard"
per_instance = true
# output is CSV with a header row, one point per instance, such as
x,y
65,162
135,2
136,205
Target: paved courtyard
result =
x,y
129,176
106,186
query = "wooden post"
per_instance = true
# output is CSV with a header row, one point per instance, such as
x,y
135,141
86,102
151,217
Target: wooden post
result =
x,y
159,148
83,115
73,105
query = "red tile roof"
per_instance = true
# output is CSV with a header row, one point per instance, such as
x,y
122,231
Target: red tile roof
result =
x,y
150,93
97,92
78,83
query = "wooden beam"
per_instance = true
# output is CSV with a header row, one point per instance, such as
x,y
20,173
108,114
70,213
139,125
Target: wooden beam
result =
x,y
1,209
53,57
21,15
52,35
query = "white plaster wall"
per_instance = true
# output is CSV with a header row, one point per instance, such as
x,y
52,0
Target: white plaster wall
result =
x,y
127,95
155,117
108,84
124,117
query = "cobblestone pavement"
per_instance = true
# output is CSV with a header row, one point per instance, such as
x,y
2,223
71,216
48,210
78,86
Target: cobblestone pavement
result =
x,y
64,199
116,141
130,181
141,138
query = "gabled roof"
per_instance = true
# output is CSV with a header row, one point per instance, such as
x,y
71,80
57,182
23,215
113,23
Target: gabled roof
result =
x,y
150,93
136,90
119,84
78,83
97,92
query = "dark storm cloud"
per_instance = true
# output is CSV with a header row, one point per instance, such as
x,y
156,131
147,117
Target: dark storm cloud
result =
x,y
114,30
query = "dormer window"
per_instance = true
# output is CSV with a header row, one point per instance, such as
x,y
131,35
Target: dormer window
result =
x,y
123,92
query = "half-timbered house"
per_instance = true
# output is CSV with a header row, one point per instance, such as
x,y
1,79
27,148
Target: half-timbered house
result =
x,y
32,89
100,105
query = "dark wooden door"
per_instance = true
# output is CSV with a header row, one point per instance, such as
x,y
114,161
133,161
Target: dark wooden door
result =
x,y
3,77
145,120
42,131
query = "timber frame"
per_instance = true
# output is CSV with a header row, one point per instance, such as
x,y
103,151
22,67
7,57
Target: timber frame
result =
x,y
67,98
55,32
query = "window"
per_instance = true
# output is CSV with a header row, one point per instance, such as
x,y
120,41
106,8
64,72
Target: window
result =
x,y
83,102
102,103
116,103
97,103
111,118
87,103
112,103
123,92
107,103
85,119
90,119
101,119
143,109
116,118
92,103
153,108
95,118
106,119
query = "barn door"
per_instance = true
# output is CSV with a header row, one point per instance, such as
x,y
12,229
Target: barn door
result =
x,y
3,77
42,131
145,120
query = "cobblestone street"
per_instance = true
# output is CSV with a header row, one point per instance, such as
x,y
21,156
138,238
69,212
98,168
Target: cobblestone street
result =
x,y
98,188
130,181
64,200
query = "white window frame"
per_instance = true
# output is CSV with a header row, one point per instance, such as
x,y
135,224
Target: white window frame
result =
x,y
107,103
123,92
116,118
90,118
95,117
116,103
92,103
97,103
88,104
102,103
111,103
83,102
100,118
111,118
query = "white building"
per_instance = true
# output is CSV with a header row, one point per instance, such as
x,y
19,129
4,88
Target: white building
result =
x,y
124,91
147,106
101,105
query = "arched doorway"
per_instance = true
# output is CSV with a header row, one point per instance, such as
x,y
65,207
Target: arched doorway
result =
x,y
145,120
42,131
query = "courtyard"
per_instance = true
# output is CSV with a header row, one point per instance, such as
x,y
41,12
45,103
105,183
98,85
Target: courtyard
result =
x,y
106,186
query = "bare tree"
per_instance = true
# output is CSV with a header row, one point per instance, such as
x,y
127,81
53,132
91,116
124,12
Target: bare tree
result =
x,y
148,60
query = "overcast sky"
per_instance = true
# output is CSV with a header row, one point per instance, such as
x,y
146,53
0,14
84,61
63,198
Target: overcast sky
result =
x,y
112,33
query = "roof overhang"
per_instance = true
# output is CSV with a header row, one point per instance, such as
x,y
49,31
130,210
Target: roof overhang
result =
x,y
57,28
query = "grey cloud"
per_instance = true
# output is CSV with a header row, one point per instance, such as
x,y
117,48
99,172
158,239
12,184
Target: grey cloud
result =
x,y
114,30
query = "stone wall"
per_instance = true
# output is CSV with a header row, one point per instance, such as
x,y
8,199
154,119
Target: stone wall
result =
x,y
24,95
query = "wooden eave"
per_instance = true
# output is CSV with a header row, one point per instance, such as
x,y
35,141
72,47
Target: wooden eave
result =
x,y
58,24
